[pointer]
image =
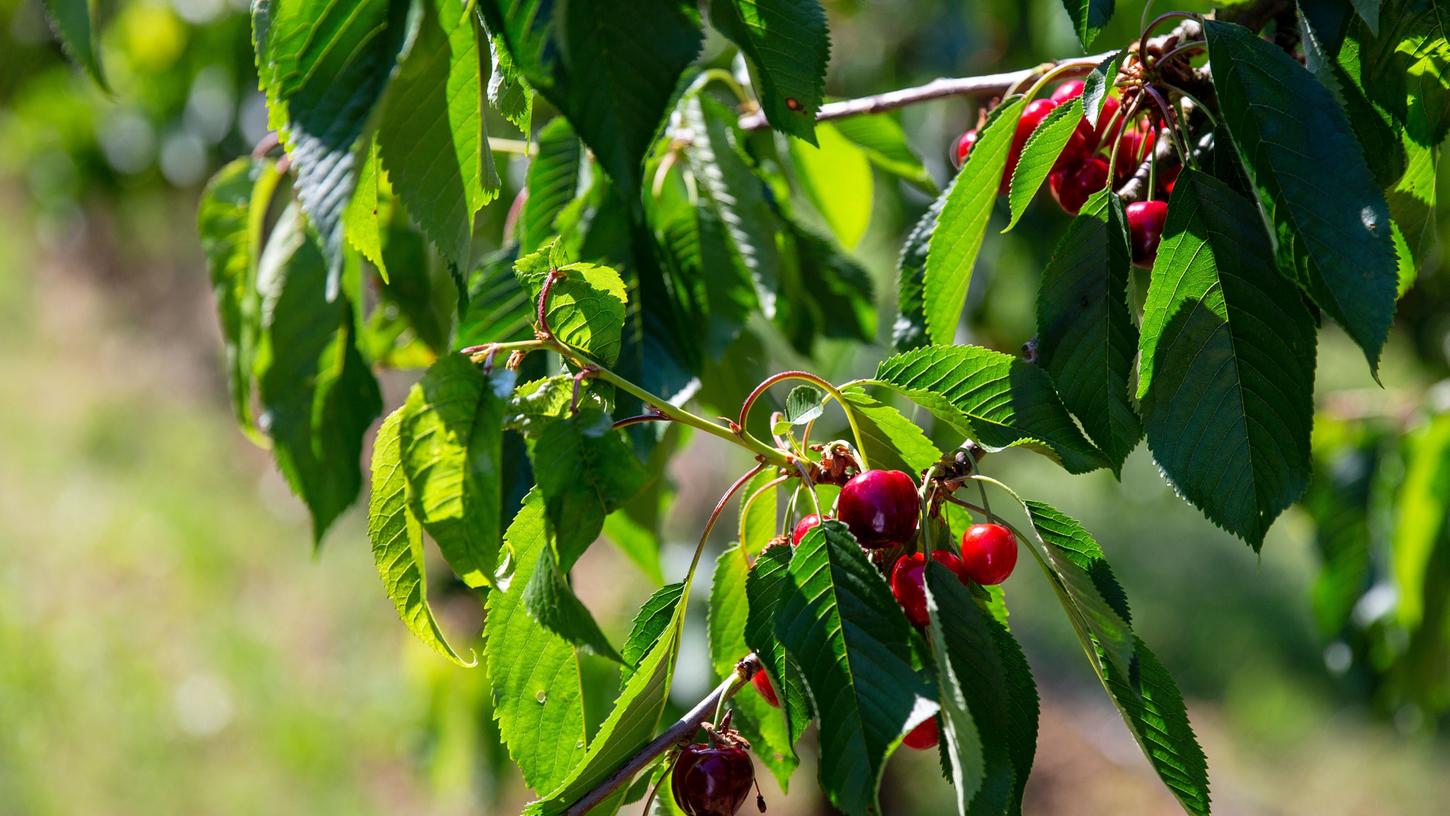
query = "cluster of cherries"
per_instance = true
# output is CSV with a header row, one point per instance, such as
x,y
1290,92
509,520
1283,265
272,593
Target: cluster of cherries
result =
x,y
1082,168
881,508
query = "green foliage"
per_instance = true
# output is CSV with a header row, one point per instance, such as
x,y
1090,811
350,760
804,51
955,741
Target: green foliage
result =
x,y
1089,17
841,624
1097,84
836,175
1227,371
787,47
74,27
586,303
552,183
1039,154
1086,338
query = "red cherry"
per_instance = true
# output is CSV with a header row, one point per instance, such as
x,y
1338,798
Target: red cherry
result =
x,y
923,736
1091,137
1133,149
1071,187
989,552
761,681
908,582
1145,230
964,146
802,527
712,781
1067,91
1166,178
1031,117
1101,134
880,507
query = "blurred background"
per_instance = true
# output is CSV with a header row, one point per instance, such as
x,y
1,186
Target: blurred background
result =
x,y
170,642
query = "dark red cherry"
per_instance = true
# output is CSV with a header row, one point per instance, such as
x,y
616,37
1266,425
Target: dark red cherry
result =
x,y
1133,149
711,780
1145,230
1071,187
1031,117
964,146
880,507
989,552
801,528
923,736
1167,176
761,681
1091,137
908,582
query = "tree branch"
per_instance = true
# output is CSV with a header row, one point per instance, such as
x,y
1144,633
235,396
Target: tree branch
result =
x,y
682,731
987,85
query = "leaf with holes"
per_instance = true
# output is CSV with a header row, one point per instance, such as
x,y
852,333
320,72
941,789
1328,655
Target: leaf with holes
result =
x,y
1086,338
839,621
1226,377
994,398
1287,128
397,541
957,238
786,45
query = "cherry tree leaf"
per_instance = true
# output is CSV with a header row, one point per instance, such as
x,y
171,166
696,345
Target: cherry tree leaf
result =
x,y
74,25
1039,154
787,47
1096,86
586,305
1089,17
891,439
836,177
552,182
908,331
885,145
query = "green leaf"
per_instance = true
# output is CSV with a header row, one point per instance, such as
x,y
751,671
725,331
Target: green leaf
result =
x,y
1089,17
840,622
909,329
537,696
758,518
1287,129
762,724
230,219
1086,338
72,21
954,243
552,181
825,294
767,585
1226,377
1422,509
804,403
324,66
586,303
836,176
1039,154
611,70
1097,85
585,471
891,440
452,430
734,195
650,622
432,137
787,46
363,219
508,91
994,398
318,396
422,293
884,143
499,308
989,701
398,542
550,600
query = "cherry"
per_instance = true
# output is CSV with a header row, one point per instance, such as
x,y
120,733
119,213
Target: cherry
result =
x,y
1091,137
1067,91
908,582
964,146
761,681
1145,230
1031,117
801,528
923,736
880,507
1167,176
712,780
1072,186
989,552
1135,146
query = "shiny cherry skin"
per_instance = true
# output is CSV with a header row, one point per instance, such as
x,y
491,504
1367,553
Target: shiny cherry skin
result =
x,y
1072,186
1133,149
1031,117
1067,91
712,781
1091,137
761,681
802,527
880,507
1145,230
989,552
964,146
908,582
923,736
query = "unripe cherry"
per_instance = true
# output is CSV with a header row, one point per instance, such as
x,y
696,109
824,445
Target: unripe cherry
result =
x,y
923,736
1145,230
908,582
1072,186
880,507
989,552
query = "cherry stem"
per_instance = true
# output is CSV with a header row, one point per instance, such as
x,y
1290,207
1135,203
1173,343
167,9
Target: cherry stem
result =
x,y
542,330
1148,29
1063,67
651,415
681,731
807,376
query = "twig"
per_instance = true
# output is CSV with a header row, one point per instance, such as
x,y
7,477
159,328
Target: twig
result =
x,y
681,731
